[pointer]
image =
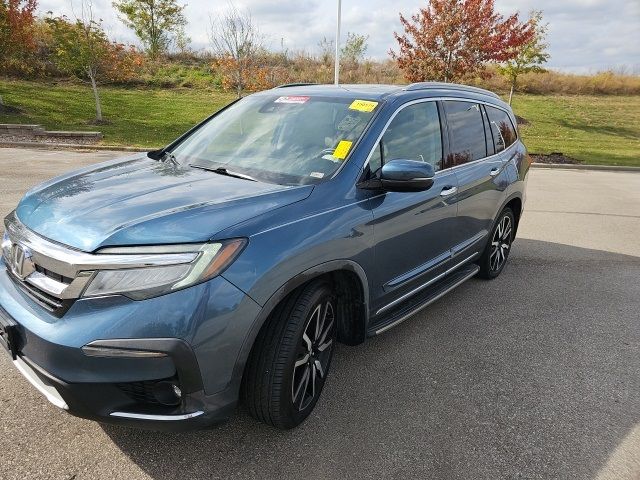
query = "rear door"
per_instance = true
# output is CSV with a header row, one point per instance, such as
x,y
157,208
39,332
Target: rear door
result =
x,y
412,229
479,172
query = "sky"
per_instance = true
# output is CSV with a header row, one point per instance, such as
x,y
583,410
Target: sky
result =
x,y
585,36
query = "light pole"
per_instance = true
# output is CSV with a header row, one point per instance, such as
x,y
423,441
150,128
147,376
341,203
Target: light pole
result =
x,y
336,71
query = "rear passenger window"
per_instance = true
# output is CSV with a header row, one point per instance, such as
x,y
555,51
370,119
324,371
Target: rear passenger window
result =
x,y
504,133
413,134
467,132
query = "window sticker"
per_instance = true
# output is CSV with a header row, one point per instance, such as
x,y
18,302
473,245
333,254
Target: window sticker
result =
x,y
363,105
316,174
342,150
348,123
298,100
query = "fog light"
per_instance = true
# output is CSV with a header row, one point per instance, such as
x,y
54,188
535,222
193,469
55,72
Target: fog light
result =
x,y
167,393
177,391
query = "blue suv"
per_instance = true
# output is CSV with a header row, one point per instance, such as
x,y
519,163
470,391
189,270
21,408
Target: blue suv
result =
x,y
162,289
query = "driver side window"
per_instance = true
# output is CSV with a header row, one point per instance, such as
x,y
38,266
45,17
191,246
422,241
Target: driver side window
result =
x,y
413,134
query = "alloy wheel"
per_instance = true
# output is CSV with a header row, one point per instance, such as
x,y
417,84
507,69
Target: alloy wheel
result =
x,y
500,244
314,354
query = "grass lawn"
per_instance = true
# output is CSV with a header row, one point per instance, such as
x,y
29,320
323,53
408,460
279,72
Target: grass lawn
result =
x,y
591,129
137,117
602,130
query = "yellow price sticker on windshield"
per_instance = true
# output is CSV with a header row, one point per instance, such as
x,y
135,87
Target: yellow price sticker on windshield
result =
x,y
342,150
363,105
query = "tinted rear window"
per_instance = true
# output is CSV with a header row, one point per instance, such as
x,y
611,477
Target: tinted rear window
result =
x,y
467,132
504,133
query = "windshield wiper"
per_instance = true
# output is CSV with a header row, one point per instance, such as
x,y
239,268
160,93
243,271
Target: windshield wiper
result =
x,y
164,157
224,171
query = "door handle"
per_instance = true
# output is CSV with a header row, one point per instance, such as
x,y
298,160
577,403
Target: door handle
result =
x,y
446,191
494,171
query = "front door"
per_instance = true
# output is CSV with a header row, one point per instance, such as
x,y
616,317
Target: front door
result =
x,y
412,230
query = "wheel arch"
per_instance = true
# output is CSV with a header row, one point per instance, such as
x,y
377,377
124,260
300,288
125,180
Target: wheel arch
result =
x,y
352,289
514,202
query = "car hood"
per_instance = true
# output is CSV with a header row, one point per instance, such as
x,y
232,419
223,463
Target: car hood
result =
x,y
139,201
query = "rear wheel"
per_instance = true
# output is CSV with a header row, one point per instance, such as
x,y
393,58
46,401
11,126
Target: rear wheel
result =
x,y
290,360
495,255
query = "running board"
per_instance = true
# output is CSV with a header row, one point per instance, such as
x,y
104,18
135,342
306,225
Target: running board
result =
x,y
417,303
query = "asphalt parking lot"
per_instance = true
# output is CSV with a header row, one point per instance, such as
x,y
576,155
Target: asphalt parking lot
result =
x,y
533,375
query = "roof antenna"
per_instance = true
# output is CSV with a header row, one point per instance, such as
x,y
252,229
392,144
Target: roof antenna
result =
x,y
336,71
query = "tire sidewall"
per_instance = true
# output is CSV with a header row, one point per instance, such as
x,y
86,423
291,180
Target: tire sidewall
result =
x,y
485,263
321,294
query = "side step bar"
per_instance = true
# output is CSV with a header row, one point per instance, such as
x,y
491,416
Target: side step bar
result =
x,y
437,291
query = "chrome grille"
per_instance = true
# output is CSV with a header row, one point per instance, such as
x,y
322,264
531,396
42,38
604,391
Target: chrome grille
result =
x,y
42,298
53,275
41,268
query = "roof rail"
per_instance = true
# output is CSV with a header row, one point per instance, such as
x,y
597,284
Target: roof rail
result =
x,y
300,84
449,86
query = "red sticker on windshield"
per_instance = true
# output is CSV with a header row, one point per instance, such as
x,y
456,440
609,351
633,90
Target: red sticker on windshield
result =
x,y
292,100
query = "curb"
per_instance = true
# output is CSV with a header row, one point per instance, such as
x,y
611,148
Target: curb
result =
x,y
71,146
572,166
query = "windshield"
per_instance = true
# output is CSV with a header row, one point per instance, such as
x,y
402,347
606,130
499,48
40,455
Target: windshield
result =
x,y
279,139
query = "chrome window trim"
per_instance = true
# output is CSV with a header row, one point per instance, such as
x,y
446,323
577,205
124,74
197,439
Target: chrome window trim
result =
x,y
436,99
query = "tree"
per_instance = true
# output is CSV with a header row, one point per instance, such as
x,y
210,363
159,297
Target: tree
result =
x,y
81,48
327,50
17,41
528,57
154,22
454,39
182,41
236,42
354,48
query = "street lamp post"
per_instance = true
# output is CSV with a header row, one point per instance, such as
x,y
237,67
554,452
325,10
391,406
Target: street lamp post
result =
x,y
336,72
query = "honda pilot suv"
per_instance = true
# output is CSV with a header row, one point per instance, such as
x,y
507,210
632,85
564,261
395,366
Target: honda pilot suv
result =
x,y
163,289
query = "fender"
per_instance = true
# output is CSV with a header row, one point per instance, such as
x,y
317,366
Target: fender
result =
x,y
281,293
511,197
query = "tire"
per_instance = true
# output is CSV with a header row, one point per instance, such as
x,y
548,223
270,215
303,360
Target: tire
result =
x,y
494,257
296,343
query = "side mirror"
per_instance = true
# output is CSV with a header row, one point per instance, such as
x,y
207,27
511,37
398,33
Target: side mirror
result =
x,y
406,176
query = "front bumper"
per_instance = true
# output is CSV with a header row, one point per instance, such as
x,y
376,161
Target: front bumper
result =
x,y
199,332
129,403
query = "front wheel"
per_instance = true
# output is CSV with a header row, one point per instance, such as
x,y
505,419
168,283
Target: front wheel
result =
x,y
291,357
496,252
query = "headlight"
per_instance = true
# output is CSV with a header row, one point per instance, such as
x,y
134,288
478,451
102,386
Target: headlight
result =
x,y
166,268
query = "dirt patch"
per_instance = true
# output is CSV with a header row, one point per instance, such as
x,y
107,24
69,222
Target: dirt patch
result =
x,y
104,121
554,157
9,109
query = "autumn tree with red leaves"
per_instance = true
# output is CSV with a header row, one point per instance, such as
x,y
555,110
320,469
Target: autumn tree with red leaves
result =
x,y
82,50
17,41
450,40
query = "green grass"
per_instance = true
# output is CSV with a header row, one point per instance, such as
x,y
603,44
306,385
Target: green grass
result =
x,y
592,129
597,130
137,117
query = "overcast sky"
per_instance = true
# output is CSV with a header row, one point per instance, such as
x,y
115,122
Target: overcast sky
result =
x,y
585,36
